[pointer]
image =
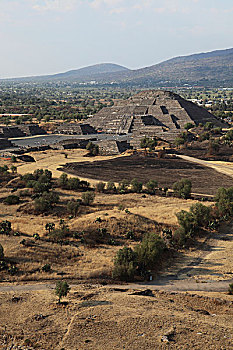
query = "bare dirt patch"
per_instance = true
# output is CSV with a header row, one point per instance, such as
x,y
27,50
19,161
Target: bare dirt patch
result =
x,y
165,171
97,317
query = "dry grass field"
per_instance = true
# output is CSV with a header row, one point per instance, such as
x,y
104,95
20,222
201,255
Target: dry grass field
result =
x,y
96,315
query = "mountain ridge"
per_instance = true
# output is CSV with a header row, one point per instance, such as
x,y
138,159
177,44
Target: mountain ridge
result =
x,y
212,68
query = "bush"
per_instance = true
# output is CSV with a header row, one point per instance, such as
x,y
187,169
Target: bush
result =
x,y
46,202
136,186
149,252
208,126
187,221
5,227
111,187
62,289
123,186
73,207
63,181
189,125
229,135
93,149
125,265
12,199
182,188
230,290
224,201
73,183
1,252
201,214
46,268
100,186
180,236
151,186
88,197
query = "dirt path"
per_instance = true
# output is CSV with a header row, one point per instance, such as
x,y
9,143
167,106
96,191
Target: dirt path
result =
x,y
222,167
207,269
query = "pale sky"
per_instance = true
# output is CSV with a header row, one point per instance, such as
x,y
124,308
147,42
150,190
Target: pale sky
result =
x,y
49,36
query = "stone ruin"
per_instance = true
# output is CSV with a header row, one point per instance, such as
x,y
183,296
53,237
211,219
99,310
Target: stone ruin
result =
x,y
152,113
112,147
21,130
75,129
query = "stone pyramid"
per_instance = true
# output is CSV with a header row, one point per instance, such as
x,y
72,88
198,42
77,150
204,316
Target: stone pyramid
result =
x,y
151,113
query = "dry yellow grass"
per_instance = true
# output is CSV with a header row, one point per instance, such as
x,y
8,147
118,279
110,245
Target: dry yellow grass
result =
x,y
98,318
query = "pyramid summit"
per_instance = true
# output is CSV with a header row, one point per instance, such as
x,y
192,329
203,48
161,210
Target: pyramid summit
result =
x,y
159,113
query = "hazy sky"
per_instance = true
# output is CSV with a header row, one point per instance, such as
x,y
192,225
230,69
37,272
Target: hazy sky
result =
x,y
49,36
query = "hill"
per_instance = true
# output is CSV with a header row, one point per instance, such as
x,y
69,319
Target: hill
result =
x,y
212,69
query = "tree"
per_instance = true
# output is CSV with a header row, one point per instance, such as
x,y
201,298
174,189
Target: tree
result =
x,y
11,199
63,181
149,252
88,197
189,125
136,186
13,169
201,214
151,186
1,252
93,149
5,227
147,142
13,159
62,289
100,186
125,264
50,226
73,207
182,188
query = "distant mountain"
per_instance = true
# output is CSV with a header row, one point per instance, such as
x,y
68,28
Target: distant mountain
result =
x,y
211,69
90,72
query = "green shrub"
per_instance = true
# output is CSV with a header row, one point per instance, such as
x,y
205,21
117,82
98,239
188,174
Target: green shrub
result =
x,y
149,252
62,289
88,197
151,186
111,187
224,201
46,202
73,207
63,181
5,227
208,126
229,135
100,186
93,149
11,200
189,125
73,183
230,290
182,188
136,186
187,221
46,268
123,186
201,214
125,265
180,236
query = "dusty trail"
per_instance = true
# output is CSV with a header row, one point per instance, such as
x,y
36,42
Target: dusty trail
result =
x,y
225,168
209,269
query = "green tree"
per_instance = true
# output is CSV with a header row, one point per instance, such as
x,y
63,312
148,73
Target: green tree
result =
x,y
62,289
149,252
182,188
88,197
125,264
136,186
151,186
73,207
